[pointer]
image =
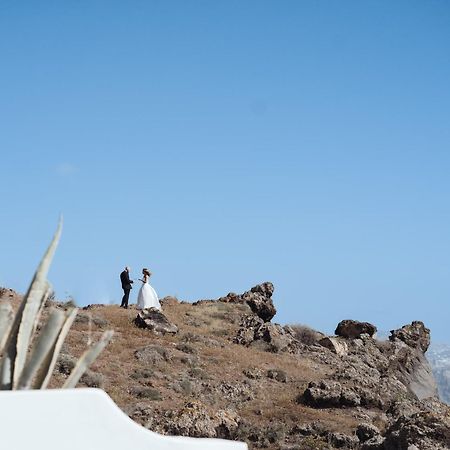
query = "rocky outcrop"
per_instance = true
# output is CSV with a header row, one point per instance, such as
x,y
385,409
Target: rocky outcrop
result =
x,y
336,345
329,394
353,329
195,420
422,431
409,345
414,335
267,336
259,298
154,320
370,372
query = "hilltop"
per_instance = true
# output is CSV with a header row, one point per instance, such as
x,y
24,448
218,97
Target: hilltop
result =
x,y
222,368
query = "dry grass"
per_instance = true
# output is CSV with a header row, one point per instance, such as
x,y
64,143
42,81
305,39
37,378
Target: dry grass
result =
x,y
209,329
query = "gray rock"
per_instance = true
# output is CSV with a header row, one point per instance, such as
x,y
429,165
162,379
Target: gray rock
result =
x,y
278,337
154,320
328,393
424,430
277,374
253,373
341,440
366,431
194,420
414,335
336,345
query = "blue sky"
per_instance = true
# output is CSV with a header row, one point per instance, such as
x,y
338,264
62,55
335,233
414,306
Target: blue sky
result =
x,y
222,144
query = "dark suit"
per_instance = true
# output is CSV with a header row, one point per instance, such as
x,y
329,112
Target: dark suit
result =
x,y
126,286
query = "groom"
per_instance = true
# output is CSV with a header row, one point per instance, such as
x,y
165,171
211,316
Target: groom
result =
x,y
126,286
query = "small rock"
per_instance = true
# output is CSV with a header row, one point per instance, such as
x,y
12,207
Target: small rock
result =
x,y
139,374
278,375
366,431
145,392
186,348
253,374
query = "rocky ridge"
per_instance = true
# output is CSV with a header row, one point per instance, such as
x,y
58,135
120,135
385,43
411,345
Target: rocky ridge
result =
x,y
222,368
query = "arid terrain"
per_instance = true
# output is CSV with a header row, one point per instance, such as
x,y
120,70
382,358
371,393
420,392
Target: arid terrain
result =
x,y
222,368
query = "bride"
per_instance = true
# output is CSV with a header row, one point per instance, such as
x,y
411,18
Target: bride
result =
x,y
147,297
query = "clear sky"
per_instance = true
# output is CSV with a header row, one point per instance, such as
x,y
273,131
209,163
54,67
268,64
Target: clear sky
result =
x,y
225,143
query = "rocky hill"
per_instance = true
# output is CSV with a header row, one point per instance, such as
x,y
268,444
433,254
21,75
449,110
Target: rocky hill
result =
x,y
222,368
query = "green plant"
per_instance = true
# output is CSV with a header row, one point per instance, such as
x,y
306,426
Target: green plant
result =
x,y
28,359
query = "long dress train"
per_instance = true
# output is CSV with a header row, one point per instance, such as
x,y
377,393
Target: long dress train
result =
x,y
147,297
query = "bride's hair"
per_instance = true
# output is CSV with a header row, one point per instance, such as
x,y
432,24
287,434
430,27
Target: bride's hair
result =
x,y
146,272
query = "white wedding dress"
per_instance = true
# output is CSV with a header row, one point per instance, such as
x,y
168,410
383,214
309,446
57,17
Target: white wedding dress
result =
x,y
147,297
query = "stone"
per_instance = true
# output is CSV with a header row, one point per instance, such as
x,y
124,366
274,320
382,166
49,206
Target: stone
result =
x,y
194,420
424,430
278,338
145,392
259,298
337,346
375,443
142,374
366,431
277,375
328,394
253,373
154,320
246,333
341,440
353,329
414,335
186,348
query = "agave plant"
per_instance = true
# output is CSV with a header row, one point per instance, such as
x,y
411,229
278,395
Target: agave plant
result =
x,y
27,360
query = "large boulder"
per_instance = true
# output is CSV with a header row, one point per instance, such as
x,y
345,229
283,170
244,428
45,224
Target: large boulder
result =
x,y
259,298
353,329
154,320
414,335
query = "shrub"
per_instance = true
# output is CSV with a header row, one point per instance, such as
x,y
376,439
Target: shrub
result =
x,y
305,334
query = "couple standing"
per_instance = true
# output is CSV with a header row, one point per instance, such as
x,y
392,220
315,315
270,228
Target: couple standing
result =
x,y
147,297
